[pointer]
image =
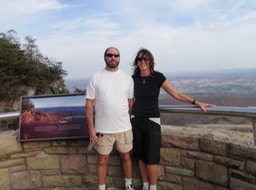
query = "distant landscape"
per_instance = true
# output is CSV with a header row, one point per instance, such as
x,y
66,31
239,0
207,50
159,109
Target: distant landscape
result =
x,y
212,86
233,88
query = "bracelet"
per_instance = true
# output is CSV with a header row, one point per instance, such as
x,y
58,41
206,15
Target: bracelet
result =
x,y
194,102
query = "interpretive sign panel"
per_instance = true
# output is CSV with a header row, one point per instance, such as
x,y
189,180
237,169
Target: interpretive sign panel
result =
x,y
52,117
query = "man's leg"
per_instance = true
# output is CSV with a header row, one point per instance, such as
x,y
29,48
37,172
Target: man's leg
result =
x,y
102,168
124,146
127,164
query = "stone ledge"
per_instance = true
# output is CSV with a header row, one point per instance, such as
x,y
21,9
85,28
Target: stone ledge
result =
x,y
191,158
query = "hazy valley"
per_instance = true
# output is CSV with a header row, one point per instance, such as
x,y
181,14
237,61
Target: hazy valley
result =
x,y
208,85
225,88
232,88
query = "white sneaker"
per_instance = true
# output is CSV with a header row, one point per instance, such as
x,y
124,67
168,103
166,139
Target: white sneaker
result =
x,y
144,188
129,187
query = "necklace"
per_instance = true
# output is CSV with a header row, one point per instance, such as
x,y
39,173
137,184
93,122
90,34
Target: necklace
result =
x,y
144,79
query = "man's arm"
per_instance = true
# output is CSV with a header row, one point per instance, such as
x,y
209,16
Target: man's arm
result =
x,y
130,104
89,118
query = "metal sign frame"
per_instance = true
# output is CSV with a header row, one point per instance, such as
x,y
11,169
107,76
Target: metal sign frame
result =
x,y
52,117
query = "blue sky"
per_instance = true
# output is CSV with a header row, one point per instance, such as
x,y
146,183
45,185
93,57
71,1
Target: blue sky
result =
x,y
183,35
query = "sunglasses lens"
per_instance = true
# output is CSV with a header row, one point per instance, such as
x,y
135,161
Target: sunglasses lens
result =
x,y
142,58
111,55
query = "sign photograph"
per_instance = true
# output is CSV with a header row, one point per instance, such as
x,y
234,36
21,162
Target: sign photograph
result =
x,y
52,117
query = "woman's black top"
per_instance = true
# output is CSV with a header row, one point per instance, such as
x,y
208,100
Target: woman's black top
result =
x,y
146,93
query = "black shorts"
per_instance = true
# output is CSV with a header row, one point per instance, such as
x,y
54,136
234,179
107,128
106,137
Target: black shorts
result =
x,y
146,140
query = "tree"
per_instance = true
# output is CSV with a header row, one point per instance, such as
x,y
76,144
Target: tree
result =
x,y
79,90
24,70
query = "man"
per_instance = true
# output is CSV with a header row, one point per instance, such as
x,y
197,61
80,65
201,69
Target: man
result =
x,y
111,90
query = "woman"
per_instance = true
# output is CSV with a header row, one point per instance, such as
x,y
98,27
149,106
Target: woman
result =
x,y
146,115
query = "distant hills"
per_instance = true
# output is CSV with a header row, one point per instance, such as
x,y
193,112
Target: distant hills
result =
x,y
236,82
233,88
240,82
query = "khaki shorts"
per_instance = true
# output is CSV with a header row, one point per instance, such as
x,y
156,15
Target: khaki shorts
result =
x,y
122,141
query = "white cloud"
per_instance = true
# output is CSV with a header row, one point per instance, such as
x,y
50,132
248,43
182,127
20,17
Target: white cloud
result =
x,y
24,9
183,35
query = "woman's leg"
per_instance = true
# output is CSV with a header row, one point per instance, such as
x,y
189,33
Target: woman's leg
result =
x,y
143,171
152,171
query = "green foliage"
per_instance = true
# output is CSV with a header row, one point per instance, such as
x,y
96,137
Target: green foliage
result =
x,y
24,70
79,90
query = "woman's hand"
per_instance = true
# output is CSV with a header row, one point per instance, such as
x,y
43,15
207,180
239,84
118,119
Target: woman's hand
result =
x,y
203,106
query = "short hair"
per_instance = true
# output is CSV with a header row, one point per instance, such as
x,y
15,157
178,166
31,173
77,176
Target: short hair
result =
x,y
105,53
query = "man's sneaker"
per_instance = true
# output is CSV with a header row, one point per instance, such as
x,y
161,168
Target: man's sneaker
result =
x,y
129,187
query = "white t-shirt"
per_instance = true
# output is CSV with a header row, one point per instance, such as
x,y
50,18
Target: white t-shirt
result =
x,y
111,91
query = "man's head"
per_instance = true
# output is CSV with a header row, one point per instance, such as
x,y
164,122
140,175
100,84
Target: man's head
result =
x,y
112,57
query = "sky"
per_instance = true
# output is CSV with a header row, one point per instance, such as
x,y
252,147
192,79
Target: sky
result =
x,y
58,101
183,35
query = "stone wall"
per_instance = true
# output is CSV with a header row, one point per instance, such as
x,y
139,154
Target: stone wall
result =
x,y
191,159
